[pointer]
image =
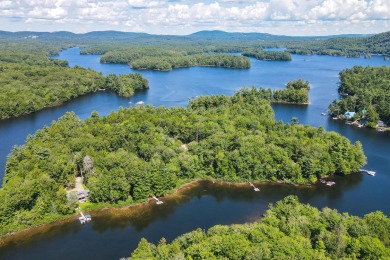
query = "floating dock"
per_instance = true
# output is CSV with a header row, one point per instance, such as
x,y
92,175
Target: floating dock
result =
x,y
158,202
254,187
83,219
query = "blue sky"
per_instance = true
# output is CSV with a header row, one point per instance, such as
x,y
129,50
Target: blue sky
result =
x,y
287,17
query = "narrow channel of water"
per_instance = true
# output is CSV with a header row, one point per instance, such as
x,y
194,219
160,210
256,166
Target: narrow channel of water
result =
x,y
115,233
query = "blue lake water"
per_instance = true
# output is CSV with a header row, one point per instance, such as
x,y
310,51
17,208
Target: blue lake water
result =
x,y
205,205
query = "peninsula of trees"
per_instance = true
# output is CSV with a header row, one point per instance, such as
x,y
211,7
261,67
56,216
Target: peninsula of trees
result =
x,y
366,92
296,92
344,46
143,151
289,230
31,82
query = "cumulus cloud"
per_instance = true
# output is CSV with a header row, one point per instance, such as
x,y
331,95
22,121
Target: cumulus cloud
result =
x,y
232,15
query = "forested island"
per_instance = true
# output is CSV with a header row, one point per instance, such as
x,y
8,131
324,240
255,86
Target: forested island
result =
x,y
289,230
365,95
268,55
164,59
30,82
135,153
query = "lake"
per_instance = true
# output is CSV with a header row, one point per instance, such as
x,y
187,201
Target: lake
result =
x,y
113,234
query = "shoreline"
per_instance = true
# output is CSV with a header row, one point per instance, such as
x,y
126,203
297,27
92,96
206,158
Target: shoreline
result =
x,y
30,231
356,123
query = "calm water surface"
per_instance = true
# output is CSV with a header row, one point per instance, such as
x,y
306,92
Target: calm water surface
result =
x,y
114,235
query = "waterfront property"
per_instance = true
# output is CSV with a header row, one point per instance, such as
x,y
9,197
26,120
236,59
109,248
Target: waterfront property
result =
x,y
83,195
349,114
228,205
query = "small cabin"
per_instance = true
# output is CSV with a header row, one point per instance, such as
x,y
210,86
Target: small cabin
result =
x,y
349,114
380,124
83,195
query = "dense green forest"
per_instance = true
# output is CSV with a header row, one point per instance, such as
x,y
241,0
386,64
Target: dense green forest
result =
x,y
201,42
33,47
28,58
289,230
268,55
234,42
168,58
343,46
214,60
28,88
366,91
143,151
296,92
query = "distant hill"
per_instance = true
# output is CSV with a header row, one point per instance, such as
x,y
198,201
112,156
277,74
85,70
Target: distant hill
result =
x,y
201,35
345,46
221,35
351,45
379,43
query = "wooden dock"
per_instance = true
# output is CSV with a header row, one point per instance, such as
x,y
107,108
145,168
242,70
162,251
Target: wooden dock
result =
x,y
254,187
158,202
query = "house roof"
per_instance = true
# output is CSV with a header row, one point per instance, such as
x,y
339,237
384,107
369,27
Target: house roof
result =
x,y
349,113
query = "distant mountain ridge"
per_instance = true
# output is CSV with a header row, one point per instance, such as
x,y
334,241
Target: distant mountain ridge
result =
x,y
201,35
350,45
216,34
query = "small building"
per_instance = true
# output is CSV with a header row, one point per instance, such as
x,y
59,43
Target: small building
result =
x,y
83,195
381,124
364,112
349,114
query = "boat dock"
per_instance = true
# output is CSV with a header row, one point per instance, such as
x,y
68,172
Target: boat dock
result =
x,y
254,187
84,218
372,173
158,202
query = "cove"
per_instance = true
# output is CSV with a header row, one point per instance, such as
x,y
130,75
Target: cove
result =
x,y
110,236
115,233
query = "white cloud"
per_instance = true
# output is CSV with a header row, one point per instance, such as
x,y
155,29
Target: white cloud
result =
x,y
183,16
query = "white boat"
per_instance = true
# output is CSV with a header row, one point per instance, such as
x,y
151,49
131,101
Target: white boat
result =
x,y
82,220
372,173
323,114
158,202
139,103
